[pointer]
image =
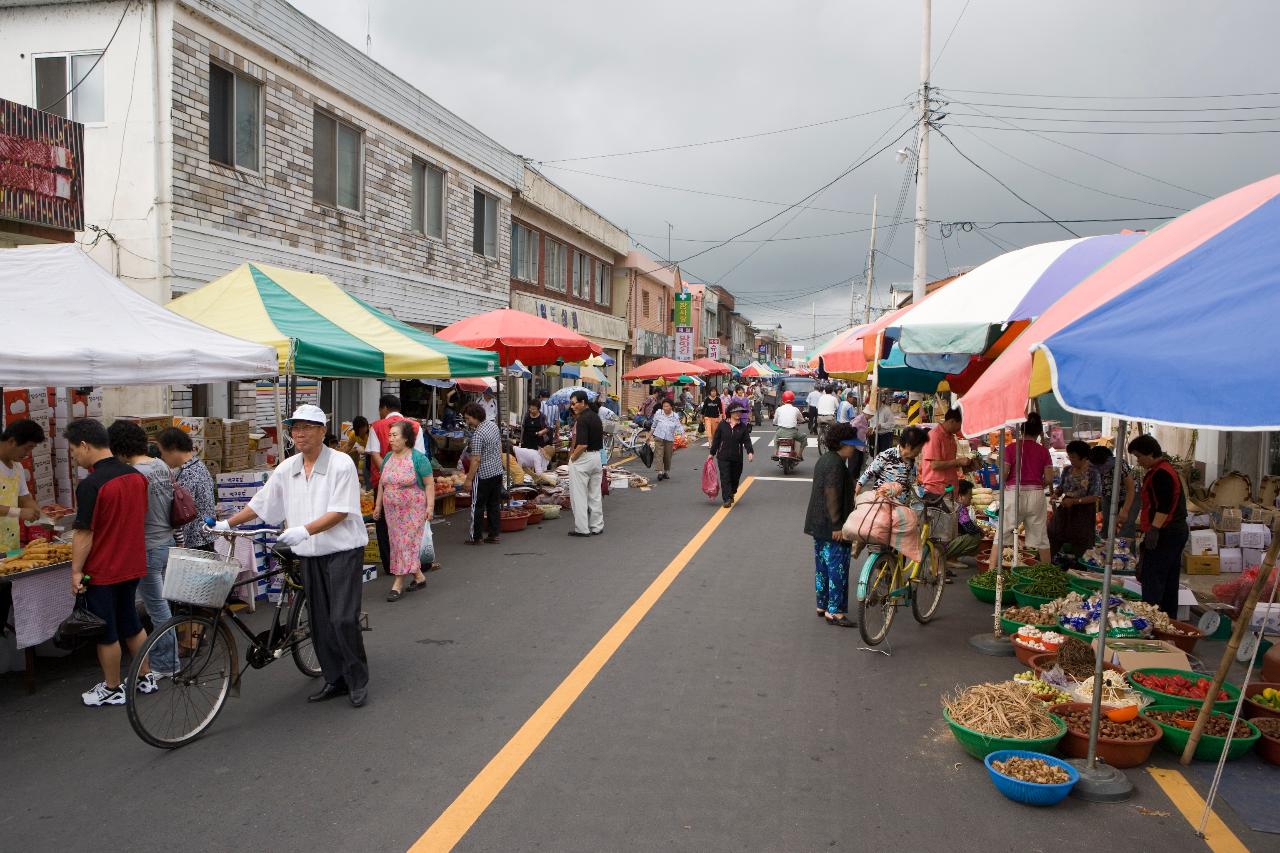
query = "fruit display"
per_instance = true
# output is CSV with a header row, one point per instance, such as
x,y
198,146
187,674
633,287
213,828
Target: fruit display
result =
x,y
1178,685
1138,728
37,554
1218,724
982,497
1034,770
367,503
1003,710
1270,697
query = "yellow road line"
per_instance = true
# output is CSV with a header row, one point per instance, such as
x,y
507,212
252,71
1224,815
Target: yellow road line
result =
x,y
1216,834
458,818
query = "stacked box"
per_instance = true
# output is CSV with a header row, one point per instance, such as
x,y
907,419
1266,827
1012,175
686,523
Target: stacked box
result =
x,y
236,488
235,445
152,425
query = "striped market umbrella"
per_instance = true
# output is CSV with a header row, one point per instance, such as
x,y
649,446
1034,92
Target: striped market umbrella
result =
x,y
318,329
756,370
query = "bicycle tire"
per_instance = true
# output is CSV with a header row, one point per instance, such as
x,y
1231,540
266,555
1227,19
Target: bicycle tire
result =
x,y
926,594
877,604
304,651
197,691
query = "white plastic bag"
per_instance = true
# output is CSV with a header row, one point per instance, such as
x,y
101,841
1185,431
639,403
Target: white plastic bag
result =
x,y
427,550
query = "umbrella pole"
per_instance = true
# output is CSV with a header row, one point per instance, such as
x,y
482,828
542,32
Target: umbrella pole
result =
x,y
1103,783
994,643
275,388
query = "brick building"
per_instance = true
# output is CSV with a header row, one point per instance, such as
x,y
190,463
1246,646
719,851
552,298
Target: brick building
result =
x,y
649,287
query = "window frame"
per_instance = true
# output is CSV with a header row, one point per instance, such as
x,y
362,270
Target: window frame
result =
x,y
604,285
532,261
551,246
581,280
338,123
261,112
644,303
490,199
66,55
424,167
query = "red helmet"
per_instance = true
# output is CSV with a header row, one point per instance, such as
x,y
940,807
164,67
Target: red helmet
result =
x,y
788,396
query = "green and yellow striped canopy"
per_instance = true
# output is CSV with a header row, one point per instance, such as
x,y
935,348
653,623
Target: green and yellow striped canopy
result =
x,y
320,330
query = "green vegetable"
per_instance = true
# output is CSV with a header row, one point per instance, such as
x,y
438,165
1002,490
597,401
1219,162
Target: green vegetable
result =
x,y
987,580
1047,587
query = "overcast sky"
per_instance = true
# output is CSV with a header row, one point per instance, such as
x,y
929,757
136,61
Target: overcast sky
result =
x,y
576,79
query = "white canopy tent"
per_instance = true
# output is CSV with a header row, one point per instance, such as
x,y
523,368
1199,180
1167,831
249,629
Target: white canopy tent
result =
x,y
67,321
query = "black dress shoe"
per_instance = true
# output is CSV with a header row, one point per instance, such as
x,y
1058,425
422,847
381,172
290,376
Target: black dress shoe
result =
x,y
328,692
359,696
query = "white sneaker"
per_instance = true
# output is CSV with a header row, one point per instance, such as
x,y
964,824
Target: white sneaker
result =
x,y
101,694
149,683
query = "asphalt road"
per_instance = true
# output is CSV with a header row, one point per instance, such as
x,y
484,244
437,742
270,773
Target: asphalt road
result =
x,y
730,718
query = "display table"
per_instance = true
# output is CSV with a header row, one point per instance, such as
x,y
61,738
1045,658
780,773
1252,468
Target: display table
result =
x,y
447,504
42,599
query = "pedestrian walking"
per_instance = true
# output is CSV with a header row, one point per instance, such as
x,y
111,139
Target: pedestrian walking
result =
x,y
731,441
109,554
179,452
407,496
1163,522
830,502
585,469
811,409
712,411
315,495
377,444
883,422
129,444
666,426
484,474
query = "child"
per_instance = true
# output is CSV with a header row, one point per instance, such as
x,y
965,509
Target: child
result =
x,y
964,517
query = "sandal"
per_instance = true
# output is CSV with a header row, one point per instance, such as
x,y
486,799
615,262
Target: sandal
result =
x,y
842,622
417,585
395,595
434,567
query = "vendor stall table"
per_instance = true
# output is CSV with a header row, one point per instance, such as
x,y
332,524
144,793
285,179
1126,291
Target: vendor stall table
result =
x,y
42,599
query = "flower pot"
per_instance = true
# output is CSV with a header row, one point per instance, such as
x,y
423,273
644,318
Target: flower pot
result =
x,y
1117,753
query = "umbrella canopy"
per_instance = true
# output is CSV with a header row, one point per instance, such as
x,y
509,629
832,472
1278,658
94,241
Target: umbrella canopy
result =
x,y
562,396
70,322
846,353
517,335
713,367
477,386
689,380
1000,396
1204,313
591,373
570,371
663,368
756,370
318,329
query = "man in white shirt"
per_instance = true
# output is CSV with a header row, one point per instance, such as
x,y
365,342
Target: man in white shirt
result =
x,y
812,403
827,405
787,419
883,425
315,495
490,405
844,414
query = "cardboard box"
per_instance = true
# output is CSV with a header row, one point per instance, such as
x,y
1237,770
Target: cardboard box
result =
x,y
93,403
215,468
1209,564
39,398
1134,654
1202,542
152,425
237,493
1230,560
255,477
199,427
261,458
1228,539
234,428
1253,556
1254,535
235,463
227,508
1268,615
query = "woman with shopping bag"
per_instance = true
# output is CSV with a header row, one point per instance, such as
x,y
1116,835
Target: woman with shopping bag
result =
x,y
731,440
830,502
406,493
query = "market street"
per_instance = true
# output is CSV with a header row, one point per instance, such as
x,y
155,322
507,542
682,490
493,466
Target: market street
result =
x,y
729,718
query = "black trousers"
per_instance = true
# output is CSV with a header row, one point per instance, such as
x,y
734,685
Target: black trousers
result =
x,y
884,440
333,585
384,541
1159,568
730,475
811,415
486,504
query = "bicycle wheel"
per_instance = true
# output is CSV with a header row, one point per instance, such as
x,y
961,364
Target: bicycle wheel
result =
x,y
876,607
822,439
926,593
304,651
183,704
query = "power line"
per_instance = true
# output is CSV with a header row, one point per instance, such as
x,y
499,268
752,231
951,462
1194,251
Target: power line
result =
x,y
45,108
1064,119
1116,109
722,140
1115,97
1127,132
765,239
1010,189
938,58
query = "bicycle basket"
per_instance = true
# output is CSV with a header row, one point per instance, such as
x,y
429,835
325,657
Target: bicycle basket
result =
x,y
201,578
942,524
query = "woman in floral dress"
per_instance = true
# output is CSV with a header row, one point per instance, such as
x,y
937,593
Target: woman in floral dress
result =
x,y
406,493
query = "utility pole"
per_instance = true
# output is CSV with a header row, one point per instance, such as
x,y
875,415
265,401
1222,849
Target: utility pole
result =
x,y
922,167
871,264
669,255
814,309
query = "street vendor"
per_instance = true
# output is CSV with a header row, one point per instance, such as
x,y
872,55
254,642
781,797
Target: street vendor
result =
x,y
315,495
16,503
1163,521
940,468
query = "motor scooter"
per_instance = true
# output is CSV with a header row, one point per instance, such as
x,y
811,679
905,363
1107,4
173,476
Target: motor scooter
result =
x,y
784,453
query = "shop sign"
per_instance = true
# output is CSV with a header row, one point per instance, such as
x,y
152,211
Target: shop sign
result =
x,y
763,348
684,344
558,314
788,352
651,343
41,168
713,348
684,309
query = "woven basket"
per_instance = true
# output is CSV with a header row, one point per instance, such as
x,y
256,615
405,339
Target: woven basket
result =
x,y
201,578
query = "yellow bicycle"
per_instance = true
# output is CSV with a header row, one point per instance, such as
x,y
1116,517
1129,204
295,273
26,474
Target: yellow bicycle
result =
x,y
888,580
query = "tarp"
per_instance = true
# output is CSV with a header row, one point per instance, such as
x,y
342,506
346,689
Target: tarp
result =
x,y
1193,344
67,321
318,329
999,397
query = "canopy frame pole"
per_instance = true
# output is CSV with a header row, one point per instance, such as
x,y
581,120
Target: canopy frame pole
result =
x,y
1005,492
275,389
1095,713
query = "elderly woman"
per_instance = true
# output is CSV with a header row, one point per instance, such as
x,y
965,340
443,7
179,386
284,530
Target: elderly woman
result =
x,y
1080,492
406,493
666,426
731,441
830,502
893,472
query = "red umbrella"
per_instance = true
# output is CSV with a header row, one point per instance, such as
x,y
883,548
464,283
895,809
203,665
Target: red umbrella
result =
x,y
713,367
664,368
516,335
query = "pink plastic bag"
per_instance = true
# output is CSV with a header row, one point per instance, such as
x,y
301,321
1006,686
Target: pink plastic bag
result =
x,y
884,522
710,477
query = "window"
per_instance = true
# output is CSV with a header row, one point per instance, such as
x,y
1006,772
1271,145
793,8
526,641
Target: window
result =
x,y
338,162
59,74
524,253
484,239
604,284
428,200
556,266
644,303
582,275
234,118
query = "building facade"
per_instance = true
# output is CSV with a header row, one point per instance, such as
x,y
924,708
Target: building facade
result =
x,y
649,287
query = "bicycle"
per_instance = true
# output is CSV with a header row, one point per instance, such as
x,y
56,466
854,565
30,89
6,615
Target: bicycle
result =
x,y
627,442
888,580
185,703
823,426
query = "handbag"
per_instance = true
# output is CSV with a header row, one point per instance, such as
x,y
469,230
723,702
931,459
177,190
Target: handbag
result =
x,y
182,509
82,624
645,452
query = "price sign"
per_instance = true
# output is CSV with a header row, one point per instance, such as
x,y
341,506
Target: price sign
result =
x,y
684,345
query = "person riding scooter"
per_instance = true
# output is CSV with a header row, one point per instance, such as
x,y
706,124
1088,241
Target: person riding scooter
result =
x,y
787,419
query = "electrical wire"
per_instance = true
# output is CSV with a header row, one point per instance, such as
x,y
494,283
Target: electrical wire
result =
x,y
1116,109
1115,97
719,141
1065,119
1128,132
765,240
938,58
45,108
1010,189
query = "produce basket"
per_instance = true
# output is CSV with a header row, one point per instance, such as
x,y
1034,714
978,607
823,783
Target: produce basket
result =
x,y
1210,746
550,511
511,521
1026,599
1227,705
1030,793
979,745
989,595
1268,745
1042,663
1185,642
1258,709
1011,627
1114,751
201,578
1112,633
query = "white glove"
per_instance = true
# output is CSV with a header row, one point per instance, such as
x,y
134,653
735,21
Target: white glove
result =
x,y
294,536
221,527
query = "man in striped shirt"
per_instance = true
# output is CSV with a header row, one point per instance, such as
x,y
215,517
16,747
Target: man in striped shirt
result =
x,y
484,476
